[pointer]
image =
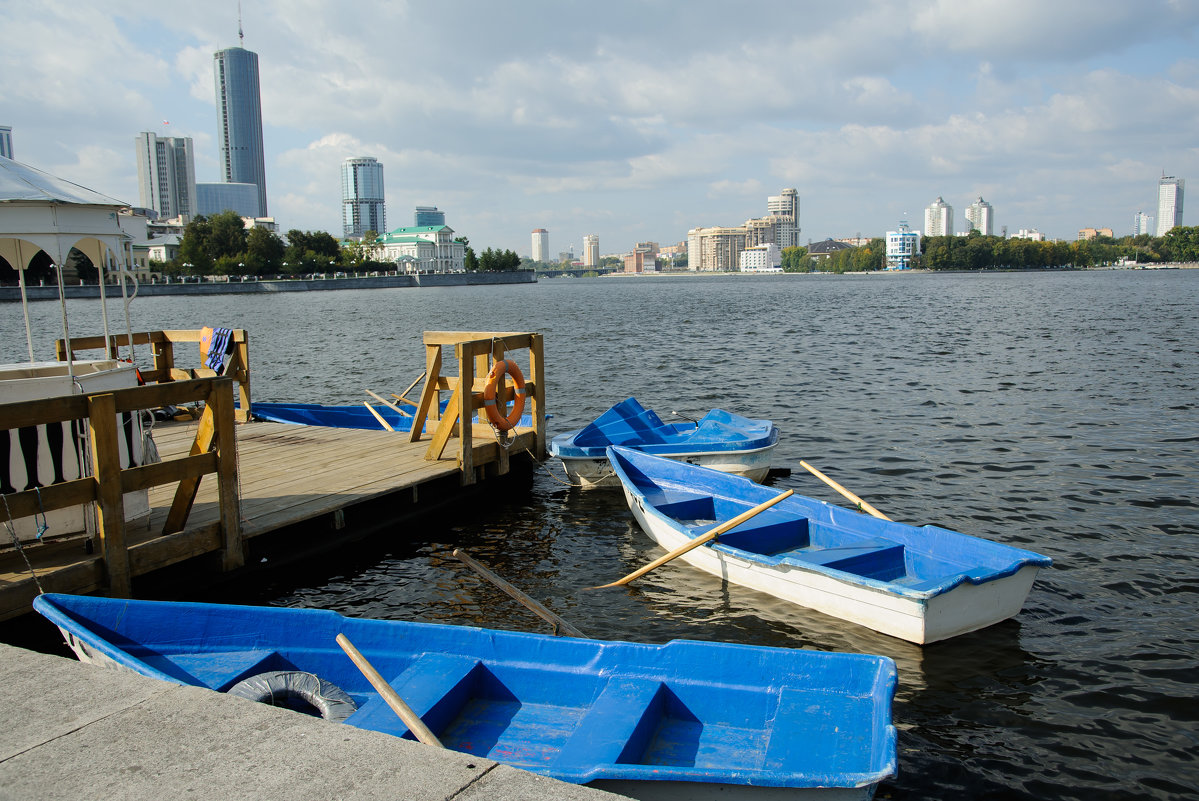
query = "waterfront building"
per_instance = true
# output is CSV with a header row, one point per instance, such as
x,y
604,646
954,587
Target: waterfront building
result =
x,y
766,258
427,215
591,253
823,251
213,198
6,141
981,216
716,249
541,245
784,207
1169,203
239,120
1142,223
1031,234
903,246
166,174
1087,234
362,207
424,249
938,218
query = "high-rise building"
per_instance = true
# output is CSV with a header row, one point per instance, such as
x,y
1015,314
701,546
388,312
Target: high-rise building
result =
x,y
938,219
214,198
541,244
166,174
6,141
1142,223
239,120
591,255
1169,203
362,207
427,215
981,217
785,206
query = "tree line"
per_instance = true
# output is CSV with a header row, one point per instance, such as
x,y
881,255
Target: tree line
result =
x,y
866,258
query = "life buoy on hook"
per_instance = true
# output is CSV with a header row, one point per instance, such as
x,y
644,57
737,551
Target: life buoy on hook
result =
x,y
495,380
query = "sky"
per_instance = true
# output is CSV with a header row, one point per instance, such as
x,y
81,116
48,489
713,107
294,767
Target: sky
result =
x,y
635,121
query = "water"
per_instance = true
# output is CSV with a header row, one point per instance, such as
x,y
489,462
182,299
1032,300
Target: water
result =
x,y
1052,411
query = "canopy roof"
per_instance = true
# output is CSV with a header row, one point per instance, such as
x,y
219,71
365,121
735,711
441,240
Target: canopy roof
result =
x,y
21,182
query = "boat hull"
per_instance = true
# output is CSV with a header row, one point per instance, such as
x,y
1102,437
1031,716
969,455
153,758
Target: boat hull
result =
x,y
581,711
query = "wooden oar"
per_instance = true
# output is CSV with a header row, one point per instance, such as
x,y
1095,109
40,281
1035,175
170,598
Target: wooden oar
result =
x,y
390,405
401,397
378,416
560,625
700,540
861,503
393,699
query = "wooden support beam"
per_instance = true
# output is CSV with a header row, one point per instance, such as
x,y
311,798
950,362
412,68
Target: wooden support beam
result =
x,y
428,396
110,503
465,413
220,403
185,494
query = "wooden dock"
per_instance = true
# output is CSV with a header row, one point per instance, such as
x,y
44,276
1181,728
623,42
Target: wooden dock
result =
x,y
270,478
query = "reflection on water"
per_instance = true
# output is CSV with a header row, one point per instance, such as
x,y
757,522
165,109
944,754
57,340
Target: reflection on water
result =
x,y
1052,411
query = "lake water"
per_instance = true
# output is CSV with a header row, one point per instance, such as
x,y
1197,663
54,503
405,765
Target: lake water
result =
x,y
1057,412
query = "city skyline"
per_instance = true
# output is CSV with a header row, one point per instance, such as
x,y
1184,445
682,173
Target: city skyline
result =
x,y
239,120
868,110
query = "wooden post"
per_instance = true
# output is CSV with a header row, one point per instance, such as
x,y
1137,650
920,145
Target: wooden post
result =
x,y
537,376
241,358
466,413
220,402
185,493
427,408
110,502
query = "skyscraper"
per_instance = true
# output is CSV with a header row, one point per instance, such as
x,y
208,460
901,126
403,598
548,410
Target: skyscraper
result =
x,y
6,141
541,244
239,120
1169,203
938,219
785,206
166,174
591,255
1142,223
981,217
425,216
362,207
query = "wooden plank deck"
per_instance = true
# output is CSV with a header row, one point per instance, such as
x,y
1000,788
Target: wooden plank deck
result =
x,y
287,475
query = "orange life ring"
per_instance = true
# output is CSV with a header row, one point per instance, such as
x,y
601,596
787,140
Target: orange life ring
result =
x,y
495,379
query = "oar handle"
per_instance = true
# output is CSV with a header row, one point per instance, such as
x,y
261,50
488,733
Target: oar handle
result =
x,y
861,503
560,625
378,416
393,699
700,540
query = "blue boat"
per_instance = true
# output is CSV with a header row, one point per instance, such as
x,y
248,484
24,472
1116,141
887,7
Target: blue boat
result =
x,y
316,414
715,717
720,440
921,584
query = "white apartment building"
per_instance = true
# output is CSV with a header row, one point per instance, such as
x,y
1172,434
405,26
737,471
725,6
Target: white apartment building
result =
x,y
541,245
166,174
1142,223
785,207
591,253
981,217
715,249
938,218
902,247
766,258
1169,203
425,249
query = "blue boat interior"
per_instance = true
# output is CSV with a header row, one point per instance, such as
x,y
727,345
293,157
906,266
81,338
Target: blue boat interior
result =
x,y
578,710
809,533
630,424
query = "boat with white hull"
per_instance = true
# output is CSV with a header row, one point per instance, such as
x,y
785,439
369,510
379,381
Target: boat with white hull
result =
x,y
920,584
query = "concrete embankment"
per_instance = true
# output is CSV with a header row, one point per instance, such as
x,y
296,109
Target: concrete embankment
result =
x,y
50,290
79,731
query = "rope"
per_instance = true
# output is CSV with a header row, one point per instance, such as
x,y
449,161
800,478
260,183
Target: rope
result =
x,y
12,532
550,472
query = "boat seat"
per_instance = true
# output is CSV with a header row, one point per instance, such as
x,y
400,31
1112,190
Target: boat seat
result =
x,y
616,727
682,505
873,558
768,537
424,685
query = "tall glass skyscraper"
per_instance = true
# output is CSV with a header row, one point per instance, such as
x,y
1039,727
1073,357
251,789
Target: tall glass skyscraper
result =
x,y
239,120
362,197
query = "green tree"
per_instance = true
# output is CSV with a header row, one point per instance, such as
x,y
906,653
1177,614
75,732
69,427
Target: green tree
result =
x,y
264,252
227,235
194,258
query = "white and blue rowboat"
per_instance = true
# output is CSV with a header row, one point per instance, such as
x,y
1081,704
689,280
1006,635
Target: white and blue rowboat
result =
x,y
921,584
317,414
720,440
697,719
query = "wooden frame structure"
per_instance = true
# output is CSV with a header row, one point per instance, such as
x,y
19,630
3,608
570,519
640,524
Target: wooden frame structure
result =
x,y
214,451
464,415
162,344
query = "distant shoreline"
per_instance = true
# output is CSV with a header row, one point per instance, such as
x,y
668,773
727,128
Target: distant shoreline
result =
x,y
425,280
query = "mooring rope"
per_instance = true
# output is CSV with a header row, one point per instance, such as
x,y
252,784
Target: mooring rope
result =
x,y
12,532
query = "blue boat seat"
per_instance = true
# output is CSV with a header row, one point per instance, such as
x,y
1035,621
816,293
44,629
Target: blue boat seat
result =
x,y
875,558
768,537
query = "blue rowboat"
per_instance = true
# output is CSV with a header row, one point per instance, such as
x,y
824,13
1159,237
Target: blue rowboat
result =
x,y
921,584
316,414
715,717
720,440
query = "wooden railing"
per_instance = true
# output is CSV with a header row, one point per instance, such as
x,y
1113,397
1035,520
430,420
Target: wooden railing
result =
x,y
214,451
464,415
165,370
